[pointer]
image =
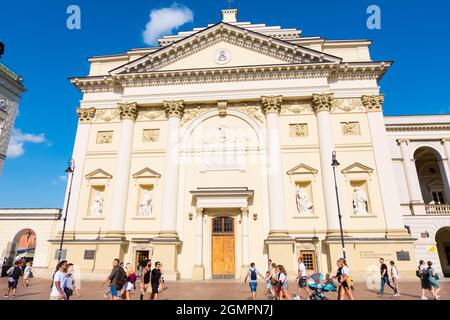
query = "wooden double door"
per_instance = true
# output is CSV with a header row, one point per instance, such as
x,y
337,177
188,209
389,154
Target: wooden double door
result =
x,y
223,252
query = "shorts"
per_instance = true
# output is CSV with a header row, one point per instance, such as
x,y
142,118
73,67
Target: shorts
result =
x,y
113,291
155,288
425,284
12,284
302,282
129,286
253,286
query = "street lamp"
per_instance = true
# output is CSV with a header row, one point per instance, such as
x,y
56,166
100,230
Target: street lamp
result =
x,y
70,169
334,164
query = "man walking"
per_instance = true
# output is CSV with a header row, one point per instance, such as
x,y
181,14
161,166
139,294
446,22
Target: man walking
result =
x,y
385,277
301,278
59,282
113,278
13,274
253,274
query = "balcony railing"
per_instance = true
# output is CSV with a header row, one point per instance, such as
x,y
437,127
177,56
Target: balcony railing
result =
x,y
437,209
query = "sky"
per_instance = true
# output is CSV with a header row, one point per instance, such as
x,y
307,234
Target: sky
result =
x,y
39,46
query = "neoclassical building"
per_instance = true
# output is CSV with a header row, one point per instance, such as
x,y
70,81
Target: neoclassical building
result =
x,y
11,90
214,150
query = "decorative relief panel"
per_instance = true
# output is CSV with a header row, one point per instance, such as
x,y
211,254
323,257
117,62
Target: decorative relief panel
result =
x,y
298,130
104,137
150,135
151,114
350,128
296,107
253,111
348,105
106,115
191,113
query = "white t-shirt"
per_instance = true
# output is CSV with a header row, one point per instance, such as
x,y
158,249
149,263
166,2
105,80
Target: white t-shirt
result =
x,y
282,278
302,269
394,272
61,277
250,274
345,271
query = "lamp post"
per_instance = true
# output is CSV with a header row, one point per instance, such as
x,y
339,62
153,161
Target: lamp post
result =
x,y
70,169
334,164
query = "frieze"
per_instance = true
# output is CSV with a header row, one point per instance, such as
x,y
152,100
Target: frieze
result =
x,y
106,115
151,114
296,107
347,105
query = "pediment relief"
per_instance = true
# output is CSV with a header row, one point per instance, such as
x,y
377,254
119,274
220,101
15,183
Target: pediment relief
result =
x,y
357,168
225,45
146,173
302,169
98,174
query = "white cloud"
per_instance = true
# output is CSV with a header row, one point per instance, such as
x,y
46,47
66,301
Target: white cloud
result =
x,y
163,21
18,140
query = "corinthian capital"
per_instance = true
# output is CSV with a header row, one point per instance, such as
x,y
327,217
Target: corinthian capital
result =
x,y
174,108
85,114
322,102
128,110
271,104
373,103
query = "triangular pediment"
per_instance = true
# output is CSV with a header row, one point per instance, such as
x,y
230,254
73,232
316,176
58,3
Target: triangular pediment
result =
x,y
98,174
435,183
302,169
224,45
357,168
146,173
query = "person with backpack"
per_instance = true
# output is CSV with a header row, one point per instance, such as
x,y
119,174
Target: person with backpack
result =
x,y
394,277
114,279
13,274
433,280
422,274
253,274
130,283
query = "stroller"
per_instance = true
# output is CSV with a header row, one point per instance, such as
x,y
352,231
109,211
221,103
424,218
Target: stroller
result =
x,y
319,288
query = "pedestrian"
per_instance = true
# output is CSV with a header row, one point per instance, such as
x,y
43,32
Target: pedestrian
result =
x,y
156,281
433,279
145,279
27,274
268,284
273,281
130,284
269,264
394,277
422,274
13,274
253,274
384,277
344,280
59,282
301,279
71,287
113,279
282,285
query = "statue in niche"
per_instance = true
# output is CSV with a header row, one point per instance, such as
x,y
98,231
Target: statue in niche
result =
x,y
145,206
304,206
97,205
360,202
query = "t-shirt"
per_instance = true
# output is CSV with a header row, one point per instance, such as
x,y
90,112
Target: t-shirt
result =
x,y
302,269
282,278
250,274
382,268
345,271
61,277
394,272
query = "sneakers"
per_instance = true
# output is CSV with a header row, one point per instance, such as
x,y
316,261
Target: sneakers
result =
x,y
296,298
396,294
424,298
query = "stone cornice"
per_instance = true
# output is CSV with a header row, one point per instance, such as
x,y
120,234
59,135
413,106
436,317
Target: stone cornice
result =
x,y
373,103
128,110
271,104
411,127
322,102
85,114
174,108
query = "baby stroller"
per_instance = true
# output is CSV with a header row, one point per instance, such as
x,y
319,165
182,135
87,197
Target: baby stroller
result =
x,y
319,288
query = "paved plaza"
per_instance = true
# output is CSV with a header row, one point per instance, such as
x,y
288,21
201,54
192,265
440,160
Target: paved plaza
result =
x,y
211,290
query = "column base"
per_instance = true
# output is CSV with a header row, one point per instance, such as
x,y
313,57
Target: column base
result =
x,y
165,250
198,272
281,251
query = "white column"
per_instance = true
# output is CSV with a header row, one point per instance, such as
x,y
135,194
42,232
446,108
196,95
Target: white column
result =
x,y
322,104
383,162
410,170
445,173
199,238
271,108
128,113
244,236
79,153
174,112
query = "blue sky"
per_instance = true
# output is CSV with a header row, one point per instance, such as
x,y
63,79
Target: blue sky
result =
x,y
415,34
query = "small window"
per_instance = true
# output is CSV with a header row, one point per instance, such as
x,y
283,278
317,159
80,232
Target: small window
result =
x,y
438,197
308,260
89,254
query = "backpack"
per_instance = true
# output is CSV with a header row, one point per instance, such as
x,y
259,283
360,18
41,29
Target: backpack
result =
x,y
15,274
121,277
253,275
418,274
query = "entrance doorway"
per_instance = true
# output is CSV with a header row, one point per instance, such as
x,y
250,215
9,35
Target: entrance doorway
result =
x,y
223,256
141,256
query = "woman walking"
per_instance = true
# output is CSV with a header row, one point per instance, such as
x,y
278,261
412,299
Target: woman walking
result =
x,y
145,278
156,281
433,279
394,277
343,278
130,283
70,288
282,284
27,274
273,281
422,273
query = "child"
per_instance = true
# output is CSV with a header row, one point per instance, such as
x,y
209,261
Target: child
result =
x,y
268,284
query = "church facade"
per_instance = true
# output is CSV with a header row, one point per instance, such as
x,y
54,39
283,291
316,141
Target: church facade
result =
x,y
214,150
